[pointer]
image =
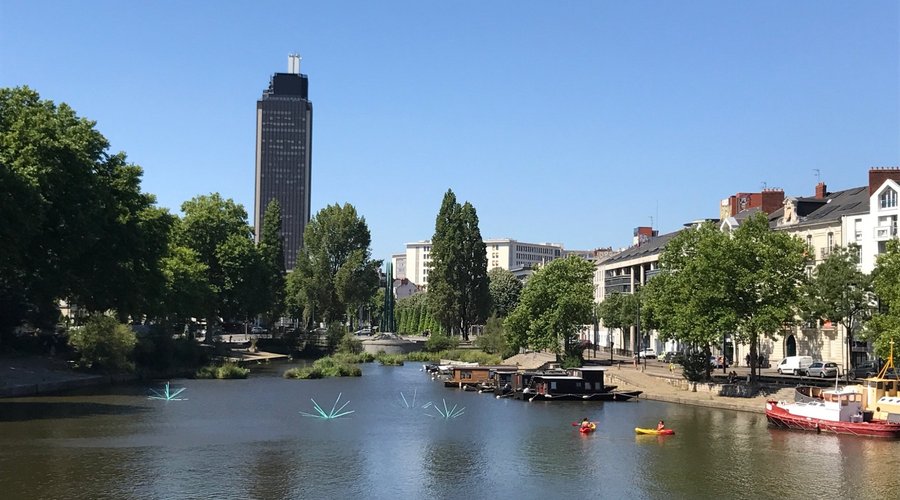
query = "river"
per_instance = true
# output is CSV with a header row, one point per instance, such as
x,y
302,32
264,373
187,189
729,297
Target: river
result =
x,y
247,439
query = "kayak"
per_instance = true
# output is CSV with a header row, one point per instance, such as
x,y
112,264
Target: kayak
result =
x,y
640,430
587,430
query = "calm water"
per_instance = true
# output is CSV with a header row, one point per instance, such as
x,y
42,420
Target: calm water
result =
x,y
246,439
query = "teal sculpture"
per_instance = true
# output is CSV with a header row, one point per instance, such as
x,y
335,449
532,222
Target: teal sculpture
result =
x,y
446,413
166,394
334,413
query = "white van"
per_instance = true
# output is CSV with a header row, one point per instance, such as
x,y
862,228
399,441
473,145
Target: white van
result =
x,y
794,365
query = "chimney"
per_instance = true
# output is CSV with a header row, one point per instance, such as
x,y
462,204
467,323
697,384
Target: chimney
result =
x,y
771,200
821,191
878,175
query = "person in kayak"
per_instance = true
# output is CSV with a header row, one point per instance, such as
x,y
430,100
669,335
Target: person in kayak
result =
x,y
585,423
661,425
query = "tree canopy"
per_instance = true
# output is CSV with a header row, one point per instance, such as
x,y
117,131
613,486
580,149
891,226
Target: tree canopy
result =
x,y
457,280
746,283
505,290
556,302
334,272
75,223
839,292
884,327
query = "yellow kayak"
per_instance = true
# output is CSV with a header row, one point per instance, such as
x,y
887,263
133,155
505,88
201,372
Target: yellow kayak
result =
x,y
641,430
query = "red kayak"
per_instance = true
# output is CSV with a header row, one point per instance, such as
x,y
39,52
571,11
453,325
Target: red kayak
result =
x,y
589,429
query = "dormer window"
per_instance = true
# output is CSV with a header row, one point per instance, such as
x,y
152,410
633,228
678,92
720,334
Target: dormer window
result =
x,y
888,198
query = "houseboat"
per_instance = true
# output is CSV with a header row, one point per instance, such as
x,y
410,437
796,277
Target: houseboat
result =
x,y
472,377
575,384
838,411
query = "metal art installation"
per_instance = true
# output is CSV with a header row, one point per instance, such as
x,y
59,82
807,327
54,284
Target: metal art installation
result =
x,y
445,413
334,413
166,394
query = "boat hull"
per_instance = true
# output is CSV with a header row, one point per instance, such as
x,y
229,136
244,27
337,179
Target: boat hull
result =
x,y
596,396
779,417
664,432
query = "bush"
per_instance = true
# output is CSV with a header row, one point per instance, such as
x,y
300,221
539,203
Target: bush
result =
x,y
390,359
362,357
226,371
439,342
104,343
160,353
695,366
325,367
350,344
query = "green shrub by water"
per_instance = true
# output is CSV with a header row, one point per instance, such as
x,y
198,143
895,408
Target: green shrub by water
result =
x,y
103,343
362,357
390,359
465,355
439,342
328,366
226,371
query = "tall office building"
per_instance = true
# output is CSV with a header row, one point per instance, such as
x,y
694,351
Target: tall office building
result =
x,y
284,154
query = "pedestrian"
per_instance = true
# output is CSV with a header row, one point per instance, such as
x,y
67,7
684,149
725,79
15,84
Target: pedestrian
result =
x,y
747,357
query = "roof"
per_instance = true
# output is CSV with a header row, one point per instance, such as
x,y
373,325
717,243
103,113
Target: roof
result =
x,y
558,377
650,247
812,210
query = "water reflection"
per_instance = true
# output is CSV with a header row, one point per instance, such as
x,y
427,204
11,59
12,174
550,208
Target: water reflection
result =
x,y
246,439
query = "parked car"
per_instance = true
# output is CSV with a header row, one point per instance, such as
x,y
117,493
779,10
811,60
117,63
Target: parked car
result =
x,y
822,369
865,369
647,354
795,365
363,331
673,357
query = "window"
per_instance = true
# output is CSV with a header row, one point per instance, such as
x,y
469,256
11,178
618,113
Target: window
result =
x,y
888,199
830,241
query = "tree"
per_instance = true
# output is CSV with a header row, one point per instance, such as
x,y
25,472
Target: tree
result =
x,y
746,283
618,310
271,246
556,301
884,327
216,230
839,292
505,290
74,221
457,281
187,289
334,273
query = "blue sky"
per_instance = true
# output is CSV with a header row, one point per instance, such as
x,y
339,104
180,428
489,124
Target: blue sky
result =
x,y
569,122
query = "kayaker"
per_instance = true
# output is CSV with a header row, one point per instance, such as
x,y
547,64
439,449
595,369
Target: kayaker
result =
x,y
585,423
661,425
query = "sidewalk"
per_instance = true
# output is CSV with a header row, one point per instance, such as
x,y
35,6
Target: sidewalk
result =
x,y
659,384
33,375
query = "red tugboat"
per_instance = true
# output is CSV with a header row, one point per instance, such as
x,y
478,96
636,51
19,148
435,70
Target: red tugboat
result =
x,y
839,412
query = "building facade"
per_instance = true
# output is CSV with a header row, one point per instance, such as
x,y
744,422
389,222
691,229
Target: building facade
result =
x,y
503,253
284,155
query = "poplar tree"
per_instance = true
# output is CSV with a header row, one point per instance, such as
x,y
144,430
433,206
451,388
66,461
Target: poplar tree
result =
x,y
457,281
271,245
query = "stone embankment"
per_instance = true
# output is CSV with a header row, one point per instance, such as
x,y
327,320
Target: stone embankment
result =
x,y
673,388
34,375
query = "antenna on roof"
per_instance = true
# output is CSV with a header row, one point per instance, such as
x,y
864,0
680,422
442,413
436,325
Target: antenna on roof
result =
x,y
764,185
651,222
818,174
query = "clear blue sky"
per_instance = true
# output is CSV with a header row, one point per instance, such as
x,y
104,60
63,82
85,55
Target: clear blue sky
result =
x,y
570,122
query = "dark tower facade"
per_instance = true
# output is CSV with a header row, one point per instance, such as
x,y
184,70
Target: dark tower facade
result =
x,y
284,155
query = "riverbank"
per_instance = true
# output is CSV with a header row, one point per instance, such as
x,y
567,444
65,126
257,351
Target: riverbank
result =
x,y
660,385
38,375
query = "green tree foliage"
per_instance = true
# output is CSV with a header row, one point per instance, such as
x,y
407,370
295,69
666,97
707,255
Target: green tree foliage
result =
x,y
619,310
839,292
556,301
457,281
105,344
884,327
747,282
216,230
271,246
187,291
413,316
493,340
334,272
505,290
74,221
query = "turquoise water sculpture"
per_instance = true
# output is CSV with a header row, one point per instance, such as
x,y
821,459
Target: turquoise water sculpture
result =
x,y
334,413
406,402
166,394
445,413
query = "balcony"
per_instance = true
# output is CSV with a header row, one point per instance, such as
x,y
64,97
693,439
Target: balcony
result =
x,y
883,233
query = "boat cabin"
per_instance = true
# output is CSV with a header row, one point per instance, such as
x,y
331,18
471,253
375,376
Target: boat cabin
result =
x,y
461,376
835,406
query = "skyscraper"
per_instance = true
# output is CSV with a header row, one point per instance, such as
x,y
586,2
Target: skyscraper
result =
x,y
284,154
